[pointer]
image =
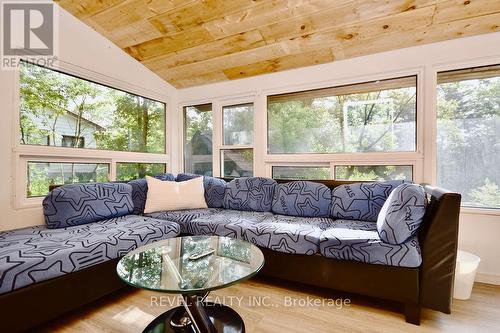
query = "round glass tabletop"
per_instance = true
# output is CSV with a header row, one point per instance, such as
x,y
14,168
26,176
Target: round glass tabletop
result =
x,y
191,264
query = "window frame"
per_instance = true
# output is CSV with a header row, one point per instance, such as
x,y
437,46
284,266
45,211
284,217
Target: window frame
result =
x,y
431,161
22,153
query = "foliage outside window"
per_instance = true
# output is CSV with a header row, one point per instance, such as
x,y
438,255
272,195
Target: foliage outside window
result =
x,y
198,130
56,105
127,171
238,124
301,172
368,117
468,134
42,175
237,163
373,172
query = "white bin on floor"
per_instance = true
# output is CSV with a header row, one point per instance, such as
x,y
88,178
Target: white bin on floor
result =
x,y
465,274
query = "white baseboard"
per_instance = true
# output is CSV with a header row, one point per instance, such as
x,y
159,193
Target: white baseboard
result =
x,y
488,278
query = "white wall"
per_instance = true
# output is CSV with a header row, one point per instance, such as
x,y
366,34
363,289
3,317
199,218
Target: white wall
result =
x,y
478,232
84,52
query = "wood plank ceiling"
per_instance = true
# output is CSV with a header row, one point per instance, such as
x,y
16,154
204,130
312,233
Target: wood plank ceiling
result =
x,y
195,42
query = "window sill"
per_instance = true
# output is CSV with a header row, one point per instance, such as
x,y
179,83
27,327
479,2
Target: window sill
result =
x,y
479,211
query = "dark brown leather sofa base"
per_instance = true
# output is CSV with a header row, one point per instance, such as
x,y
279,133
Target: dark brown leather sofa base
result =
x,y
27,307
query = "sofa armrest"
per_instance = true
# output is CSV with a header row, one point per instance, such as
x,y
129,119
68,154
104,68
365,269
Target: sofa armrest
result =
x,y
439,240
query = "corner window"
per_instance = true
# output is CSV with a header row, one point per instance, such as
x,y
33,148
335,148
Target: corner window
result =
x,y
468,135
100,128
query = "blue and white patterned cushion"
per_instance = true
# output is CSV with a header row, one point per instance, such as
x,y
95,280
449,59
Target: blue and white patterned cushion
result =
x,y
37,254
77,204
214,188
182,217
250,193
302,198
402,213
140,191
361,201
228,223
359,241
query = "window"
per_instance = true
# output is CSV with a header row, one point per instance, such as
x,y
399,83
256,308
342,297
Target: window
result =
x,y
128,171
237,140
43,175
468,134
373,172
301,172
376,116
237,163
72,141
198,129
238,124
99,125
73,112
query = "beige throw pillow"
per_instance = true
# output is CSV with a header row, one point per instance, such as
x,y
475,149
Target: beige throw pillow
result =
x,y
166,195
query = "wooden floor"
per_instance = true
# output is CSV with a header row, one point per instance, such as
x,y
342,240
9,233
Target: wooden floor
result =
x,y
132,310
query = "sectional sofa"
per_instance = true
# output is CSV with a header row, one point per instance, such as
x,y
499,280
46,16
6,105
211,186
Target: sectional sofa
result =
x,y
322,233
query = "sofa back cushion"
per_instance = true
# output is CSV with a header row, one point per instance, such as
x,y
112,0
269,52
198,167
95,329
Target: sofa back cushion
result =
x,y
361,201
214,188
402,213
250,193
77,204
302,198
140,191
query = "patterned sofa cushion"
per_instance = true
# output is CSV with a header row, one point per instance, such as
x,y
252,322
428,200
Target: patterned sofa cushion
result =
x,y
302,198
36,254
250,193
359,241
288,234
214,188
182,217
76,204
140,191
229,223
402,213
361,201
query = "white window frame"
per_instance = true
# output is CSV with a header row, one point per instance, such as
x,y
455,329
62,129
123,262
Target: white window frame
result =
x,y
24,153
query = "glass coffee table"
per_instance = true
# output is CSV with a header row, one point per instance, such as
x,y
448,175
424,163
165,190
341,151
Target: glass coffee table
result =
x,y
192,266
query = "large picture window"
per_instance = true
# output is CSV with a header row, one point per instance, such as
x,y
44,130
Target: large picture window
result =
x,y
73,130
376,116
468,135
61,110
198,129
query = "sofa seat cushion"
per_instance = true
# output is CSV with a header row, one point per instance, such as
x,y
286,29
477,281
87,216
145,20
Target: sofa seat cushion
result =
x,y
227,222
35,254
361,201
250,193
183,217
302,198
289,234
360,241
